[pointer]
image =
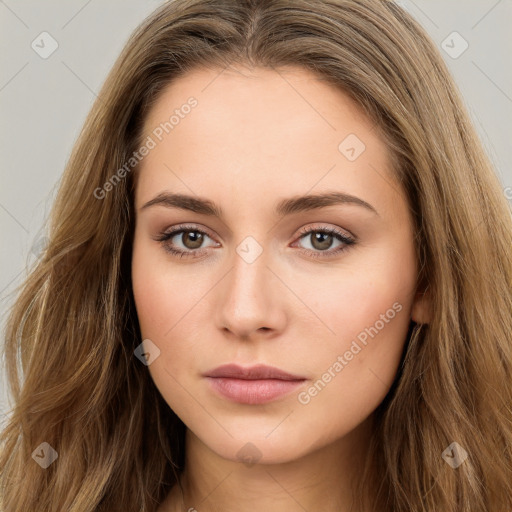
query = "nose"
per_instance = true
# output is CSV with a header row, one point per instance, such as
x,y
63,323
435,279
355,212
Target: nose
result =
x,y
251,299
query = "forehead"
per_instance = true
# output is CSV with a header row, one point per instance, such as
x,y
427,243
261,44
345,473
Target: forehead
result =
x,y
253,95
256,133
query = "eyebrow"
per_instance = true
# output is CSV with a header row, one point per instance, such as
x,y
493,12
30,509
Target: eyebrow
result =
x,y
284,207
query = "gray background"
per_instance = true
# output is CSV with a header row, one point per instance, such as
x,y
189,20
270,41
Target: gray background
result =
x,y
44,101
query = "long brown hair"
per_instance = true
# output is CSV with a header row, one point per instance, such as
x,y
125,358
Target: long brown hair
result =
x,y
72,331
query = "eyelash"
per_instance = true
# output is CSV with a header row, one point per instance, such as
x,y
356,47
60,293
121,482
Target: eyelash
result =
x,y
164,238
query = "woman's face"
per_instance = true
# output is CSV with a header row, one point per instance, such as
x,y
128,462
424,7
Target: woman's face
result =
x,y
295,252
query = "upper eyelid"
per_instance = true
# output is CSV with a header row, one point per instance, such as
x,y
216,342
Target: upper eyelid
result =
x,y
337,230
301,231
183,228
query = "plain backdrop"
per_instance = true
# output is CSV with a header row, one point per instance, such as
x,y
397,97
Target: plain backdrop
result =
x,y
44,99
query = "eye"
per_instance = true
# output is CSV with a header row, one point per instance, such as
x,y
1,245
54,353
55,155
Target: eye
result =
x,y
322,238
191,240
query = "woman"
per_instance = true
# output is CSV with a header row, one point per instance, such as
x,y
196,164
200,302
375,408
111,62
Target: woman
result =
x,y
278,278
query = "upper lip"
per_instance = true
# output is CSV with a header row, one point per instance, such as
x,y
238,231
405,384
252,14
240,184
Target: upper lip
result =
x,y
257,372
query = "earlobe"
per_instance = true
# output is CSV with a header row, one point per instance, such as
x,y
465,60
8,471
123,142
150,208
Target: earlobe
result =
x,y
422,308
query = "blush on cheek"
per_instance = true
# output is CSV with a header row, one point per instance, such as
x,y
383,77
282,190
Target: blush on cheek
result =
x,y
379,337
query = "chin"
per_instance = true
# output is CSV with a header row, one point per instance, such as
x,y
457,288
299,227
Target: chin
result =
x,y
263,442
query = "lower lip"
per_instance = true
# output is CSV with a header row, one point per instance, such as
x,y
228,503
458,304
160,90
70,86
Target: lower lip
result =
x,y
253,391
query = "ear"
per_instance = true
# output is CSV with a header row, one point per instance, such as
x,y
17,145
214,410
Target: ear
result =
x,y
422,307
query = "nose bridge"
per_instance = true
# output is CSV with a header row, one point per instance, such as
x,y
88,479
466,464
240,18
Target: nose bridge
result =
x,y
249,277
249,299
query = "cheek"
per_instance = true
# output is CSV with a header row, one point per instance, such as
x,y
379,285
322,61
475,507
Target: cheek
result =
x,y
355,369
162,294
366,325
371,341
369,313
162,302
169,306
371,297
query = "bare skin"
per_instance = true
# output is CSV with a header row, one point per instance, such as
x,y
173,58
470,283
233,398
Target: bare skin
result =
x,y
256,137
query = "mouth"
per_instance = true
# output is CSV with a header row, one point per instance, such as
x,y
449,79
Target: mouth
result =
x,y
252,385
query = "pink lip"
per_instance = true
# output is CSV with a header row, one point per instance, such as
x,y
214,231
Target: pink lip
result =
x,y
254,385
